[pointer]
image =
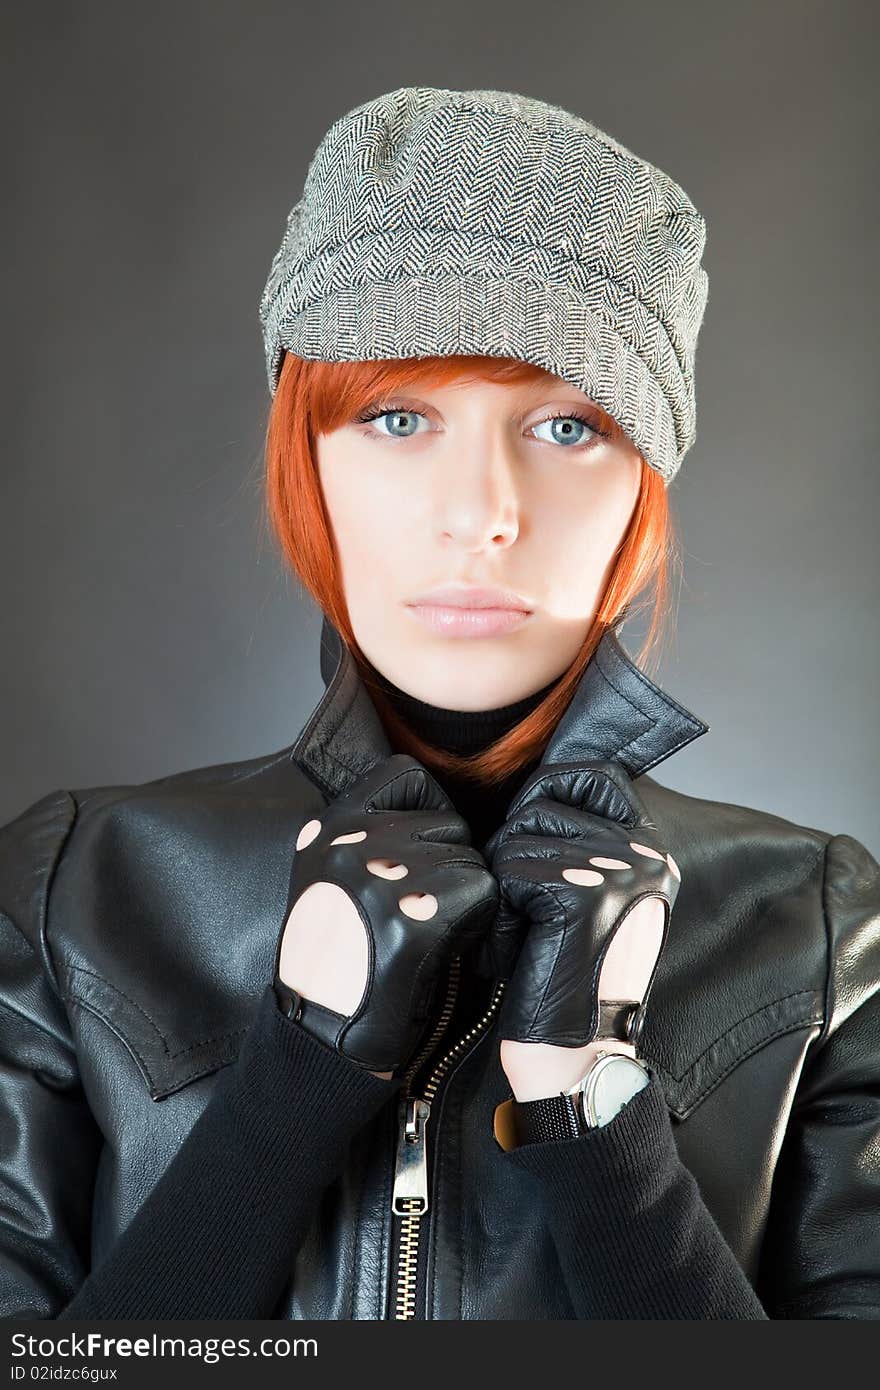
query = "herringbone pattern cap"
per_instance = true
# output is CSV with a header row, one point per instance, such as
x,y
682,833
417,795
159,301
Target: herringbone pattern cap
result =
x,y
438,222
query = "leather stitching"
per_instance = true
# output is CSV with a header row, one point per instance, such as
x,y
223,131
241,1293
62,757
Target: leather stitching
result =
x,y
324,706
76,998
733,1027
181,1052
791,1027
655,724
211,1064
632,704
695,726
662,695
88,1007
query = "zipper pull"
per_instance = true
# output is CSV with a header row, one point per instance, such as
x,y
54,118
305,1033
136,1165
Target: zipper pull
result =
x,y
411,1167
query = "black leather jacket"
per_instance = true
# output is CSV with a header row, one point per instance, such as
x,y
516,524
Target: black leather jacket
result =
x,y
138,929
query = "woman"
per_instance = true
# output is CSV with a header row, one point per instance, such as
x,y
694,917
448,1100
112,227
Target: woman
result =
x,y
538,1037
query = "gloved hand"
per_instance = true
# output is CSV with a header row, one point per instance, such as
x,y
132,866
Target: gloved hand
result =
x,y
576,852
399,852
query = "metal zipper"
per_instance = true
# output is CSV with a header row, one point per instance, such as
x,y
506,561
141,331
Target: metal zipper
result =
x,y
410,1194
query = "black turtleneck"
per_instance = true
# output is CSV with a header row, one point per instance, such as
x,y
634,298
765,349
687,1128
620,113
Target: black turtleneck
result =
x,y
466,732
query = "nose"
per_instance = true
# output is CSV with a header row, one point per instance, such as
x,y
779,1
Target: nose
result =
x,y
477,502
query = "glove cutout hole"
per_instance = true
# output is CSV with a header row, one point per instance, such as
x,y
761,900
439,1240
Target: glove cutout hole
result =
x,y
387,868
310,830
646,850
674,867
610,863
421,907
350,839
588,877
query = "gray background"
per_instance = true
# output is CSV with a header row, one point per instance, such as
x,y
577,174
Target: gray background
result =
x,y
148,624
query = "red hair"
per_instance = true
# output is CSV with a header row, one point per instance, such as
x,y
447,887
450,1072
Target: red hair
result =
x,y
316,397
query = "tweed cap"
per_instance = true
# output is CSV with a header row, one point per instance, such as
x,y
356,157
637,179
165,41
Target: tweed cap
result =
x,y
436,222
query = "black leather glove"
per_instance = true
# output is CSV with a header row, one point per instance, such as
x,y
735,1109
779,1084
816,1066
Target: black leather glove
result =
x,y
551,934
409,820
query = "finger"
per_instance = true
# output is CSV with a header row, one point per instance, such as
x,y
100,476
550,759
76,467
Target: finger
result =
x,y
456,898
497,954
489,962
446,864
604,788
401,783
474,925
523,899
528,831
398,783
554,994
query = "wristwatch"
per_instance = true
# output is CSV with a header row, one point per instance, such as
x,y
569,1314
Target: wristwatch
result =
x,y
613,1079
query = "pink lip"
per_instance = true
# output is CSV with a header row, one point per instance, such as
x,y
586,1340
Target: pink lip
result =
x,y
451,621
459,596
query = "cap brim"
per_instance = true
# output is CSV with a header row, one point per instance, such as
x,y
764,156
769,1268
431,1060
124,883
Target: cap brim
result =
x,y
547,324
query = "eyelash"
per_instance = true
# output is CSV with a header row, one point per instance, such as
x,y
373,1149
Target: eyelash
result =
x,y
375,412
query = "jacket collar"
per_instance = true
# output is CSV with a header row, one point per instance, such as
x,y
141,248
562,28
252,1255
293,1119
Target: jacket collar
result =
x,y
616,712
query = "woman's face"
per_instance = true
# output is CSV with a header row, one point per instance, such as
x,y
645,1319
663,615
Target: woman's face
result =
x,y
476,484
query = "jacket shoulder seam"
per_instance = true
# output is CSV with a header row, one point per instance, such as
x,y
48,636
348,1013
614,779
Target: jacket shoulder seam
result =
x,y
129,790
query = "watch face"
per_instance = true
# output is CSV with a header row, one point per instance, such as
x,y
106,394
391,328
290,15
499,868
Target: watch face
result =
x,y
613,1081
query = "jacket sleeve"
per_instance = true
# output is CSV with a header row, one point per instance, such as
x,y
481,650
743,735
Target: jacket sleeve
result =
x,y
49,1141
821,1251
634,1237
217,1236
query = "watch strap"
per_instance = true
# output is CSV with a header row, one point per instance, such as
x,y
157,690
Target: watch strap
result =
x,y
552,1117
565,1115
558,1117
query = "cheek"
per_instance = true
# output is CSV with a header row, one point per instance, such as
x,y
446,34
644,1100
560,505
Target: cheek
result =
x,y
579,526
372,521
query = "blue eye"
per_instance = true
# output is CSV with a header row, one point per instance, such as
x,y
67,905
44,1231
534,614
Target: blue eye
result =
x,y
571,430
407,416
